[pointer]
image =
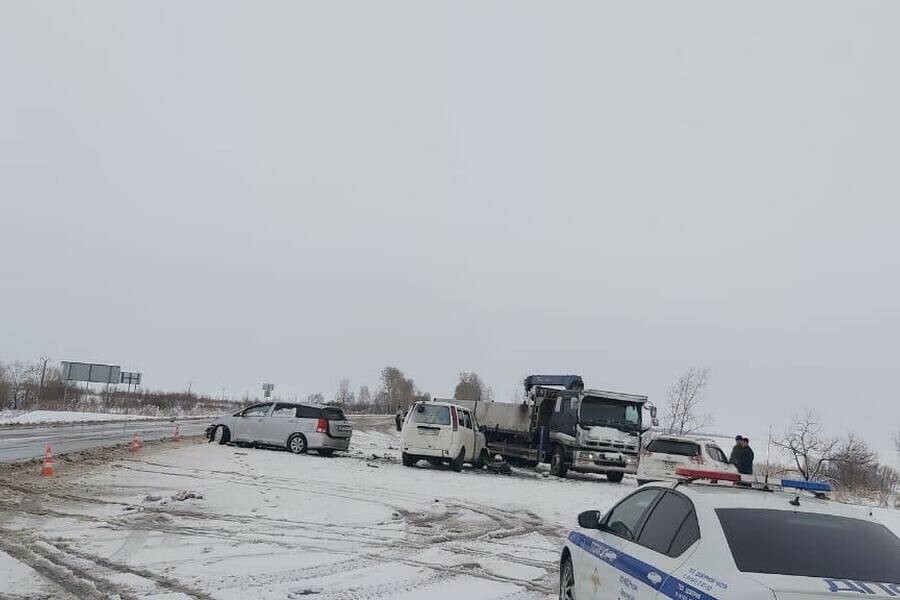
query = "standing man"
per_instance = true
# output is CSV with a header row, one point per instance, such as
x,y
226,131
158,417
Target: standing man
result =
x,y
746,464
737,452
398,418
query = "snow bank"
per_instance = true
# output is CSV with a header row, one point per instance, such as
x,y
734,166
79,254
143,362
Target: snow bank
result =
x,y
61,416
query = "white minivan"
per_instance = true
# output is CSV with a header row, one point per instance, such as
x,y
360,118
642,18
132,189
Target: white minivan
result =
x,y
442,432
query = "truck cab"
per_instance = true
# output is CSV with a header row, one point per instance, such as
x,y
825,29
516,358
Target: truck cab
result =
x,y
560,422
594,431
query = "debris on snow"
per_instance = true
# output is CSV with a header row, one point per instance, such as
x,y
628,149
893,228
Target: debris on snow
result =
x,y
187,495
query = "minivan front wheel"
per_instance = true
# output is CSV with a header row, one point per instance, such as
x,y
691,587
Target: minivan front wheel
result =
x,y
297,444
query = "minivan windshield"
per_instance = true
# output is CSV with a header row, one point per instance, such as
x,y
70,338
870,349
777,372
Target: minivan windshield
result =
x,y
784,542
432,414
598,411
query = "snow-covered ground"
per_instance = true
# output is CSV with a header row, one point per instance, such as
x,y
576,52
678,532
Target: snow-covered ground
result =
x,y
64,416
268,524
274,525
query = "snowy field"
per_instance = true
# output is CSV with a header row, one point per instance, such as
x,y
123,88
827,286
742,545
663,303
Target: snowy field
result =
x,y
196,520
269,524
62,416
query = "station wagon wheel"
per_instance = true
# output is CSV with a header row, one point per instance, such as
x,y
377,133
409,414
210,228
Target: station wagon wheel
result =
x,y
297,444
567,580
221,435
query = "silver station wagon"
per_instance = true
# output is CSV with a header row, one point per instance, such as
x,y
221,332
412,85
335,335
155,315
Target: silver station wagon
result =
x,y
297,427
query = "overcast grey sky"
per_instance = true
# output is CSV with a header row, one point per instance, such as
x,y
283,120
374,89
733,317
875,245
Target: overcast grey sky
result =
x,y
232,192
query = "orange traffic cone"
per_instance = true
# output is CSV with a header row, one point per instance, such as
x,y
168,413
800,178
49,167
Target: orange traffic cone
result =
x,y
136,443
47,469
177,436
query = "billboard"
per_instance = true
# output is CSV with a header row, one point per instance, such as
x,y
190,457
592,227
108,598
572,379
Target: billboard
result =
x,y
90,372
130,378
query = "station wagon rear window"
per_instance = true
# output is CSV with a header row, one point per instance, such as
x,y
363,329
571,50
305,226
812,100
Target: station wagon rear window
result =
x,y
432,414
333,414
784,542
673,447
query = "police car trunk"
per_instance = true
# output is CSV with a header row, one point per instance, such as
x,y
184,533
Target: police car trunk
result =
x,y
802,548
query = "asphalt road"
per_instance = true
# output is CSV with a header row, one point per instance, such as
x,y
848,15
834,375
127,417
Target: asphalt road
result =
x,y
23,442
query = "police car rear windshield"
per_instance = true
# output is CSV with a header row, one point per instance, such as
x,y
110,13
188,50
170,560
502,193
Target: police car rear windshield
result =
x,y
783,542
673,447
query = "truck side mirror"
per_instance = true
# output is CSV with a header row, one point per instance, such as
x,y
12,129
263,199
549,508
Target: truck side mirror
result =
x,y
655,422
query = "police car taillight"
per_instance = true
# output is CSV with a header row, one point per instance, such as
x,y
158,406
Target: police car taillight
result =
x,y
707,474
322,426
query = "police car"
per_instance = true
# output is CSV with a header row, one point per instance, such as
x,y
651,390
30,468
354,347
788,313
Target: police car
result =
x,y
690,541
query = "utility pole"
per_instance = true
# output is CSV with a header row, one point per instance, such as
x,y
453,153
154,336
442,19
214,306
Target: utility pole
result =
x,y
190,383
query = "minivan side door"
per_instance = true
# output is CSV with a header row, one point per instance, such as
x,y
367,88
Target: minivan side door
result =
x,y
279,425
467,434
246,426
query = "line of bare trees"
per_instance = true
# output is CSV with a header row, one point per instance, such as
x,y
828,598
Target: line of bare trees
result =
x,y
848,462
395,390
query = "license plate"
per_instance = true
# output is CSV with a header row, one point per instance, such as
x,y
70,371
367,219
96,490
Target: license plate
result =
x,y
428,432
345,428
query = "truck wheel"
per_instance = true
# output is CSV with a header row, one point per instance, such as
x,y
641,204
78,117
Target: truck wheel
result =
x,y
483,459
408,460
222,435
558,465
615,476
457,463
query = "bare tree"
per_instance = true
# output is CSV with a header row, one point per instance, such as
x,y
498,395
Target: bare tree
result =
x,y
397,390
853,465
365,396
344,394
897,441
471,387
684,396
316,398
807,445
17,375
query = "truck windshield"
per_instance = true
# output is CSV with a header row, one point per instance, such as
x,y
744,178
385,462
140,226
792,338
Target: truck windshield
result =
x,y
599,411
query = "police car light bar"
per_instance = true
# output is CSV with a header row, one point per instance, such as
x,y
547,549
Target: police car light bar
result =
x,y
812,486
707,474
